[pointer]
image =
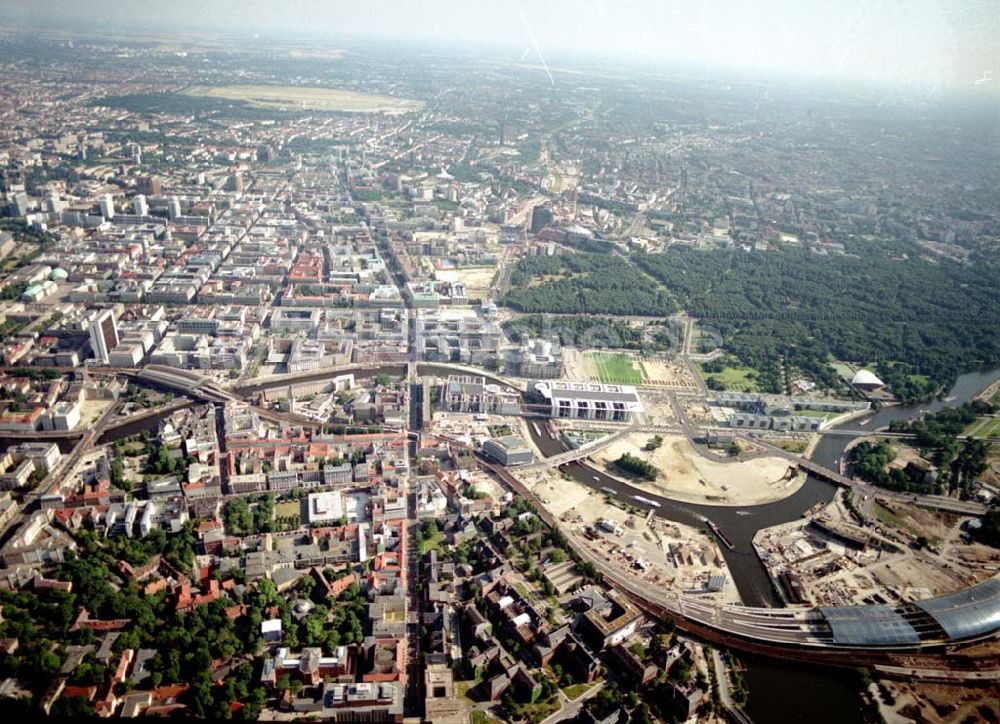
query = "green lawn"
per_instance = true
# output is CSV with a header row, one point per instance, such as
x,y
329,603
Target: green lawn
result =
x,y
617,368
996,398
433,541
973,427
842,369
576,690
793,446
734,379
892,520
887,516
288,509
538,712
984,428
478,717
818,413
462,689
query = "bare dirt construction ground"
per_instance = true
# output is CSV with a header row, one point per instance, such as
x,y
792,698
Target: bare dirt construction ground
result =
x,y
902,701
316,99
562,495
913,579
577,366
665,373
90,410
686,475
673,556
697,411
659,411
477,279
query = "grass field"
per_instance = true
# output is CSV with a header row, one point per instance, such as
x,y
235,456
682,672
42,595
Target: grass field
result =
x,y
289,509
296,98
617,368
842,369
984,428
734,379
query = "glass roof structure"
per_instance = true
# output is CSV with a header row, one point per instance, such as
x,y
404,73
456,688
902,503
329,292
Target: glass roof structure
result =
x,y
876,625
968,613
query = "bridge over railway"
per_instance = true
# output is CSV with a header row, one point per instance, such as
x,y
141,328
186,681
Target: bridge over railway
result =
x,y
936,502
195,385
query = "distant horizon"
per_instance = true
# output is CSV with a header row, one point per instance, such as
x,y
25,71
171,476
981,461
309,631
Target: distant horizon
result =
x,y
925,46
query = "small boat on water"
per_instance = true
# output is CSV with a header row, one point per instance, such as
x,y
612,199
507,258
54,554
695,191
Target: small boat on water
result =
x,y
647,501
742,512
722,538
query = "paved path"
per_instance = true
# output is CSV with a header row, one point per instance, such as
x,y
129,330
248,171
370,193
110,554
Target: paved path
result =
x,y
570,709
725,697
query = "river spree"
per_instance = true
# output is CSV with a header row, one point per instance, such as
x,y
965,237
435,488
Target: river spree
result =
x,y
783,691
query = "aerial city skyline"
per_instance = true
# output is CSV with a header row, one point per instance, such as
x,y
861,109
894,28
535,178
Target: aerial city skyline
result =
x,y
929,45
470,362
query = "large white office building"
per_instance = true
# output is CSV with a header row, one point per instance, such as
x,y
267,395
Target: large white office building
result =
x,y
587,400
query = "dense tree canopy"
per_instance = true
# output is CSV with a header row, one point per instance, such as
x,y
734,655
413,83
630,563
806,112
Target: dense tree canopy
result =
x,y
585,283
589,331
884,303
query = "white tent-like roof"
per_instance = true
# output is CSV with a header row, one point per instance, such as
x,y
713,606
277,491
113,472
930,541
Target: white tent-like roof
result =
x,y
868,378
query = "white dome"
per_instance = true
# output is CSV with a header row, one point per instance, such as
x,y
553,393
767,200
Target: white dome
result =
x,y
866,377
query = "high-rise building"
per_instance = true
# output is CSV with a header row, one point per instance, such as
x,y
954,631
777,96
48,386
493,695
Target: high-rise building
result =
x,y
266,153
20,203
174,207
103,334
139,205
540,218
107,206
151,185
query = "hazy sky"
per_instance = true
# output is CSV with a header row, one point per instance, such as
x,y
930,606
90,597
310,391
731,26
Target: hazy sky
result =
x,y
930,43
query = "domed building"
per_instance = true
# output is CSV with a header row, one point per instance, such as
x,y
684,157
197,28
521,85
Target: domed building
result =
x,y
866,380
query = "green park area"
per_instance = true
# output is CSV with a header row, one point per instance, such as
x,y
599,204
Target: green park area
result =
x,y
617,369
729,375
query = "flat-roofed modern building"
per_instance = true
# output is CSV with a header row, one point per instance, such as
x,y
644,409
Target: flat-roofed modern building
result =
x,y
469,393
509,450
586,400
